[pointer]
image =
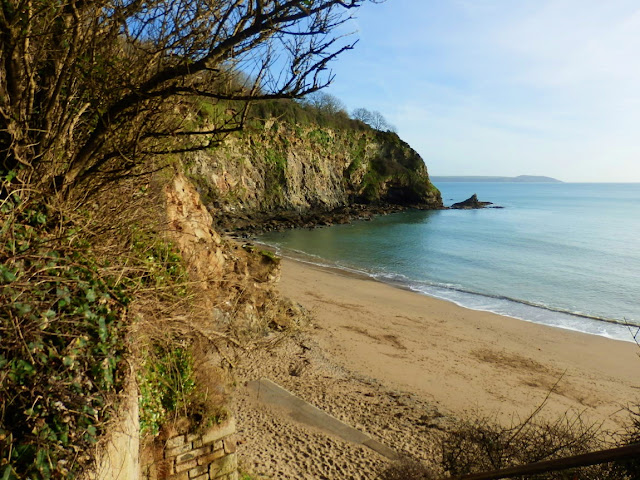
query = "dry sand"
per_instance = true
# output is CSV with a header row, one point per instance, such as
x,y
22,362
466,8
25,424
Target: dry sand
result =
x,y
402,366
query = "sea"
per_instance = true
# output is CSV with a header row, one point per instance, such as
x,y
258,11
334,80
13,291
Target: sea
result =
x,y
559,254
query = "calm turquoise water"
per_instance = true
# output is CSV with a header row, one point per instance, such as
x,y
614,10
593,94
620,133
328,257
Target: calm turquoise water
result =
x,y
566,255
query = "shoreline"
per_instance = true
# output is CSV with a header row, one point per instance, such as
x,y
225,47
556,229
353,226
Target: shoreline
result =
x,y
251,223
462,359
612,329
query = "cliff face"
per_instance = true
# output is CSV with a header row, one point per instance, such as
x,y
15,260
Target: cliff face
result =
x,y
234,283
282,167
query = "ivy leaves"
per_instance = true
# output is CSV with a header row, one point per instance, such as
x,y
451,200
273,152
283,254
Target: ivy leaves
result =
x,y
61,340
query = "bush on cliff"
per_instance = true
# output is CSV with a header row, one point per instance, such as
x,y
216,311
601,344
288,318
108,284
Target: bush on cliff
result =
x,y
69,276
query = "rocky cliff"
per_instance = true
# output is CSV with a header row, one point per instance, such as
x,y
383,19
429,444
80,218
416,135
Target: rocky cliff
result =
x,y
278,167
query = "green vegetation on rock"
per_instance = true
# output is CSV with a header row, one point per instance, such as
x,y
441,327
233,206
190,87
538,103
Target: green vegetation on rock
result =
x,y
313,157
166,381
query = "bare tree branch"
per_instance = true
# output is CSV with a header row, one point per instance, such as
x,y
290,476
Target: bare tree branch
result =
x,y
92,87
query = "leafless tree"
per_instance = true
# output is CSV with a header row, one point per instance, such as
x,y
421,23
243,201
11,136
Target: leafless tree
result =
x,y
373,118
326,103
89,89
362,114
378,121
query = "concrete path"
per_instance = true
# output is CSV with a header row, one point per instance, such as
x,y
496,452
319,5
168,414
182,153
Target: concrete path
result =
x,y
271,393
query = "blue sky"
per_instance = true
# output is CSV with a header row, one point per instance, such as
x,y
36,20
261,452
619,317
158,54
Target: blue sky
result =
x,y
504,87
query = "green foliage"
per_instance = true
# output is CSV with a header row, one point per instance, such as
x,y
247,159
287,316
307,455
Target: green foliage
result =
x,y
319,136
63,326
270,256
166,381
371,185
207,111
275,176
162,265
265,254
276,159
61,344
357,156
304,114
355,164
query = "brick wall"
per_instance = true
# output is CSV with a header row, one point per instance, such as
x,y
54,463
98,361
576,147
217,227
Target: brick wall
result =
x,y
210,455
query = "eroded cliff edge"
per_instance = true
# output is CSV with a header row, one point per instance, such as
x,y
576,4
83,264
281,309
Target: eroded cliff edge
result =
x,y
280,173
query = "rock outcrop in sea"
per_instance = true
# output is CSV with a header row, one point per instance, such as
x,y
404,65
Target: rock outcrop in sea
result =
x,y
471,203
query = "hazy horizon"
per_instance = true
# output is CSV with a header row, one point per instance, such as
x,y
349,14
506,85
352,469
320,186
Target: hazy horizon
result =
x,y
431,175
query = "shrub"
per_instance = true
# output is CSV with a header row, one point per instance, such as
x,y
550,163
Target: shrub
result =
x,y
630,436
166,381
62,334
68,277
484,445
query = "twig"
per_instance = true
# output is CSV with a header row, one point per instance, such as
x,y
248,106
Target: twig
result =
x,y
538,408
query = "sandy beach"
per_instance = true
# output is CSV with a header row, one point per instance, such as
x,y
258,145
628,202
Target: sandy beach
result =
x,y
400,365
463,359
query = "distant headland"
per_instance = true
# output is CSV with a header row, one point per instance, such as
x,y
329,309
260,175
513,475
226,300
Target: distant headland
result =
x,y
518,179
